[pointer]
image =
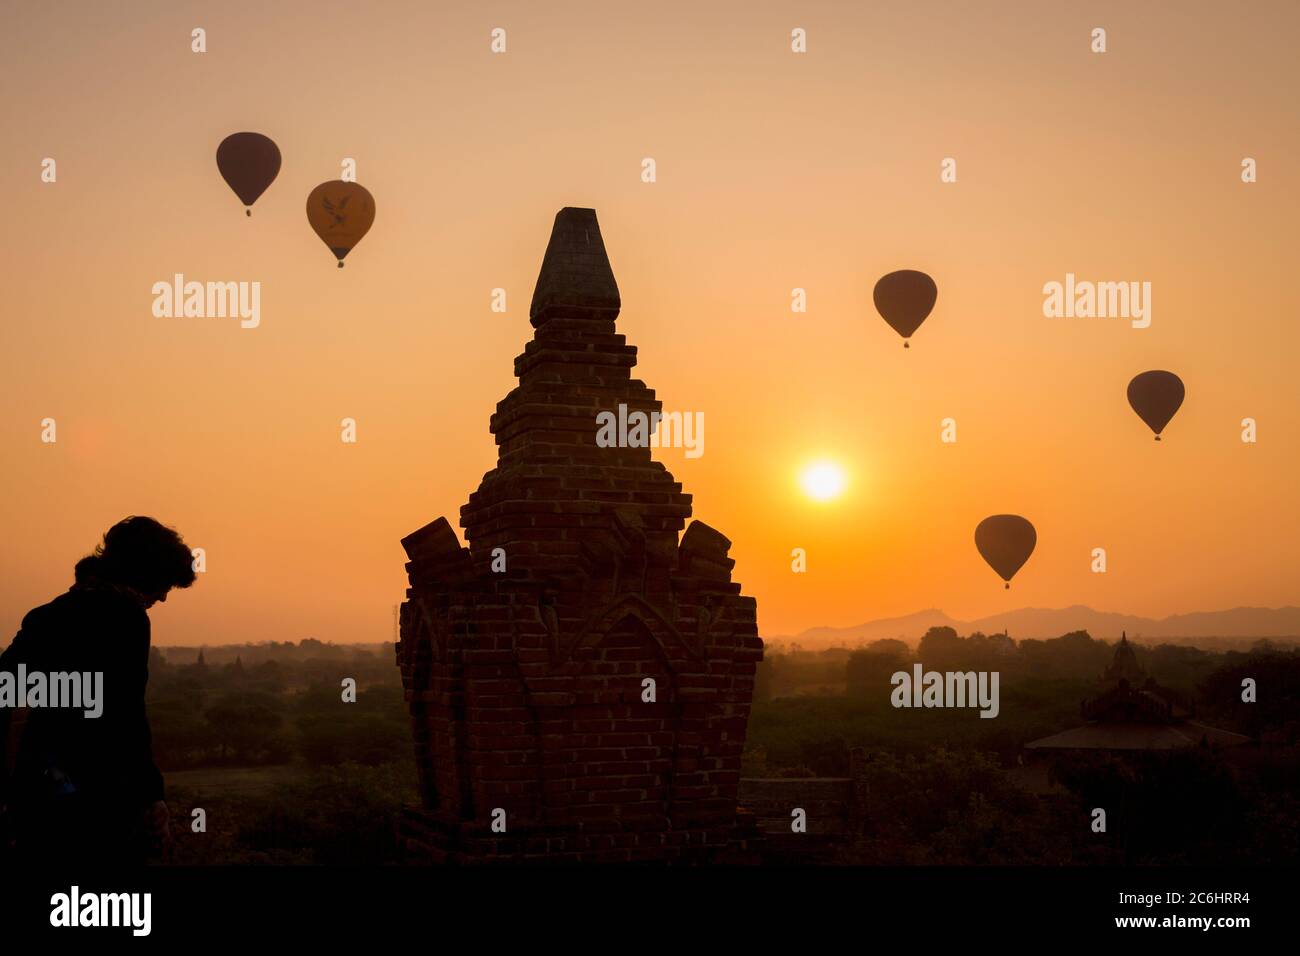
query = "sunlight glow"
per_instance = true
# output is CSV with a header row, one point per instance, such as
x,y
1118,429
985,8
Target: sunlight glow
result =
x,y
822,481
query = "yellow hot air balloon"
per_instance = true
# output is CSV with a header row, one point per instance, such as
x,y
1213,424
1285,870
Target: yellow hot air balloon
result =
x,y
341,213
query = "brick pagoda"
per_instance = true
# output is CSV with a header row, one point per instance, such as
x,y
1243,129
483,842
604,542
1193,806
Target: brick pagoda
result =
x,y
579,676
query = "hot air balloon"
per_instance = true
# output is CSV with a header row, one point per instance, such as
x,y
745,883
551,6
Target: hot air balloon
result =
x,y
904,299
341,213
1156,396
249,162
1005,542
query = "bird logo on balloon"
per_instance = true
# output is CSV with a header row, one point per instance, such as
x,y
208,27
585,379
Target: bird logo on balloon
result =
x,y
340,230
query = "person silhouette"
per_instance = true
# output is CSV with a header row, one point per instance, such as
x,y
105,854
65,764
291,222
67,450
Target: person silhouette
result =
x,y
84,788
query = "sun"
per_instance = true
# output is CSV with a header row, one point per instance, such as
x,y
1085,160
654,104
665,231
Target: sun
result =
x,y
822,481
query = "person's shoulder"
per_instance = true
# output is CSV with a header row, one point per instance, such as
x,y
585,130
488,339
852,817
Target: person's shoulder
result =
x,y
37,616
49,618
101,602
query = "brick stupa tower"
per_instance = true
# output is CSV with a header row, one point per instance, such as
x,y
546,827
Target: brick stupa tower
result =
x,y
579,679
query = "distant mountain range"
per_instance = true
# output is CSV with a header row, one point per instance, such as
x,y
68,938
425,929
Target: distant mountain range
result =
x,y
1037,622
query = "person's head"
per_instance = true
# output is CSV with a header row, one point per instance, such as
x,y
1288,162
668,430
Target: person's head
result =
x,y
142,554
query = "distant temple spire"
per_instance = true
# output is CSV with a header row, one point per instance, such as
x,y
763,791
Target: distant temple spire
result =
x,y
1134,712
1125,666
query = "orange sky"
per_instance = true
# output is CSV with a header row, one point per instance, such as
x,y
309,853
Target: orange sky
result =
x,y
775,170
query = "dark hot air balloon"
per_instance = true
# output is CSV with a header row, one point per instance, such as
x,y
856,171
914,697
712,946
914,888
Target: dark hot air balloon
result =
x,y
1156,396
341,213
904,299
1005,542
249,162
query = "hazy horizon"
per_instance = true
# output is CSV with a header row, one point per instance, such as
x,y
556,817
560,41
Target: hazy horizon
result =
x,y
920,621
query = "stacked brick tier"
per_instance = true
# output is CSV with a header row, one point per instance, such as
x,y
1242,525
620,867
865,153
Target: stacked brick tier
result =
x,y
527,685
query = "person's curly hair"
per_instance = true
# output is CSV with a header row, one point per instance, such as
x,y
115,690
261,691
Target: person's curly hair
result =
x,y
140,553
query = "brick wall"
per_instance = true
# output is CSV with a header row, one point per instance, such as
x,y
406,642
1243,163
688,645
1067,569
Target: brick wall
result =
x,y
535,737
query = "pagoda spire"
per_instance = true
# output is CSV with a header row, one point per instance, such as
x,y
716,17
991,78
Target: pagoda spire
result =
x,y
530,649
576,280
551,471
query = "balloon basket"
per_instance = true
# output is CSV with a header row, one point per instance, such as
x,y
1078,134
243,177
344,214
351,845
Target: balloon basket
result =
x,y
248,212
340,265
